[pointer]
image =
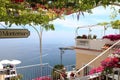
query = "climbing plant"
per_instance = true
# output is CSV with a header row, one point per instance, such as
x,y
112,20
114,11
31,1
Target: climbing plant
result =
x,y
21,14
40,12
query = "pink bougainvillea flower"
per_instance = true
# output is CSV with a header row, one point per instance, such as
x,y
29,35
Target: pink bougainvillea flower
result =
x,y
112,37
117,52
115,59
106,62
96,70
110,62
99,69
92,71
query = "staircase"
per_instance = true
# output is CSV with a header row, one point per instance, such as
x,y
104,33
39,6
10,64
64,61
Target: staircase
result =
x,y
115,75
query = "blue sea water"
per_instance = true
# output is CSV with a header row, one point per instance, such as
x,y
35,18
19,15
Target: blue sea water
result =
x,y
29,53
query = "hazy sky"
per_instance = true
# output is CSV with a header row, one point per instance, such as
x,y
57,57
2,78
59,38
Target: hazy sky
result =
x,y
65,28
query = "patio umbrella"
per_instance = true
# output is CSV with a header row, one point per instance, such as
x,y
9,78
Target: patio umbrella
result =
x,y
15,62
5,62
1,66
42,78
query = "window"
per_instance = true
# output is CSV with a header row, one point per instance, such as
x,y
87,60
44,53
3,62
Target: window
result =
x,y
83,43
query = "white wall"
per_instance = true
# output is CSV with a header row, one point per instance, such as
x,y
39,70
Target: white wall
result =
x,y
96,44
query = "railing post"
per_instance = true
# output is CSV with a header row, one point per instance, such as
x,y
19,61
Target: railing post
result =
x,y
99,77
106,75
113,75
118,74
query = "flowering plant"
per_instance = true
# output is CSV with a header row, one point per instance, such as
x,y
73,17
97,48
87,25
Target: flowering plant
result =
x,y
96,70
113,61
109,63
72,74
17,1
84,36
117,53
112,37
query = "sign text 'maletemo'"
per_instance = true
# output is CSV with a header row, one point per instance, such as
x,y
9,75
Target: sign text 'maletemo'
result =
x,y
14,33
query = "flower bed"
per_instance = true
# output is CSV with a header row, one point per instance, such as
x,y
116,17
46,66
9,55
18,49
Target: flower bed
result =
x,y
112,37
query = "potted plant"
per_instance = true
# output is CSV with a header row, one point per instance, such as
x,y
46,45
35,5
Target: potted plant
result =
x,y
72,75
84,36
55,72
79,37
18,77
89,36
94,36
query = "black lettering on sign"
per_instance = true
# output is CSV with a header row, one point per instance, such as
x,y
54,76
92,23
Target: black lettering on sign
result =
x,y
14,33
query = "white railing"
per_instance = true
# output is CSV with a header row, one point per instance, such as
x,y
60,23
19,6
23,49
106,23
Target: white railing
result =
x,y
70,67
104,53
31,72
34,71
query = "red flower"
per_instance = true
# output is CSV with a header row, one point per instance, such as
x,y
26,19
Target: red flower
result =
x,y
96,70
99,69
115,59
112,37
92,71
117,52
72,74
17,1
64,75
110,62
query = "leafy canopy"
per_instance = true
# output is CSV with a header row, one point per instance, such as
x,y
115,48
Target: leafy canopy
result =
x,y
40,12
20,14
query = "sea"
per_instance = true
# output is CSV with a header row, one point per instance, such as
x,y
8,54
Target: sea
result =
x,y
29,52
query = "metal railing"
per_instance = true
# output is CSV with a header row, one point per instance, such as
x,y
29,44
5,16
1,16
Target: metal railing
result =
x,y
34,71
70,67
38,71
79,74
